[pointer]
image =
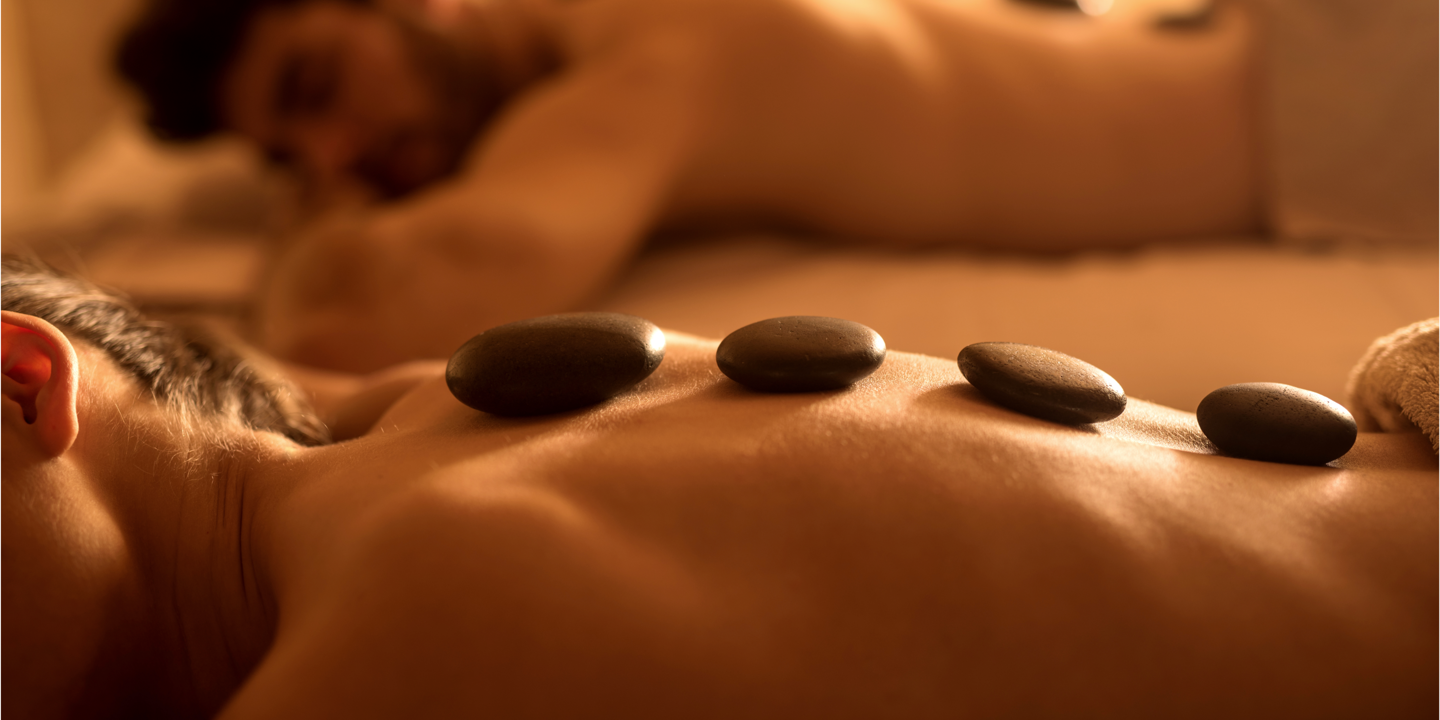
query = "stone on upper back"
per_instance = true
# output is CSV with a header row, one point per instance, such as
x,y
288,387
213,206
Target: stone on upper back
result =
x,y
801,353
1042,383
554,363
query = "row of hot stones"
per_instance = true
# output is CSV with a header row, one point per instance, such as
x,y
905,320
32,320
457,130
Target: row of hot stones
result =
x,y
565,362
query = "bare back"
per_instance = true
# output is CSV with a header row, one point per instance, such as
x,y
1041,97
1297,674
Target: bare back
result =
x,y
925,121
902,548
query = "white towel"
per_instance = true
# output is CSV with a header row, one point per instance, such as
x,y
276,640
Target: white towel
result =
x,y
1393,387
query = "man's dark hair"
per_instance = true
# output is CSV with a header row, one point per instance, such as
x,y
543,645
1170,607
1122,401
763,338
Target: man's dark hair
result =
x,y
176,55
181,366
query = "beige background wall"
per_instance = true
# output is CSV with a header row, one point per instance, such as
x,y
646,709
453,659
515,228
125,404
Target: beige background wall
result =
x,y
21,155
58,92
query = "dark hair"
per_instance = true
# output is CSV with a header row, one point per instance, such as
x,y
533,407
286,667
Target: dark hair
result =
x,y
176,55
182,366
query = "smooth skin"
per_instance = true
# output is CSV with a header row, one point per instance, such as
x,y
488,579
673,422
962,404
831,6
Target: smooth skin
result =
x,y
901,548
892,122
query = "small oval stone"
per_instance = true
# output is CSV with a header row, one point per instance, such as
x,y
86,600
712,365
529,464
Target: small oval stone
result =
x,y
800,353
1276,423
1042,383
554,363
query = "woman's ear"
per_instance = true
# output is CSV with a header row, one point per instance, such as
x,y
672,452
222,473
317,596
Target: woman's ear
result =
x,y
42,377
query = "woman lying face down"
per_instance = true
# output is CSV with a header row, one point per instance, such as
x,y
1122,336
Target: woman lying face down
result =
x,y
900,549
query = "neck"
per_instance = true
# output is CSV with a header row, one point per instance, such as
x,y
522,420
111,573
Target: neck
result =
x,y
211,615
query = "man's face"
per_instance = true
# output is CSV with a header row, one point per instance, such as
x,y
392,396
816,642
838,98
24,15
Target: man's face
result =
x,y
349,94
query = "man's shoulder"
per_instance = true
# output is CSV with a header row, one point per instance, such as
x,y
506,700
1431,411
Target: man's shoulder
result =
x,y
737,20
515,587
445,535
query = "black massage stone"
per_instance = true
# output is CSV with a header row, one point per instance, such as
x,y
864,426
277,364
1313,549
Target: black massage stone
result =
x,y
802,353
554,363
1042,383
1276,423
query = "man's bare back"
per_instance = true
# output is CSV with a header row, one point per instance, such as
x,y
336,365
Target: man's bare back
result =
x,y
898,122
902,548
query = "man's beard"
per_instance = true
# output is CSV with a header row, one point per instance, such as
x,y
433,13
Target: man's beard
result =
x,y
465,98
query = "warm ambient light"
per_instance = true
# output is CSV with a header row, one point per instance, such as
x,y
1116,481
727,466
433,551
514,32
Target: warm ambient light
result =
x,y
1095,7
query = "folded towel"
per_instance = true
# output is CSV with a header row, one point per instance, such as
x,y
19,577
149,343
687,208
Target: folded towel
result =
x,y
1393,387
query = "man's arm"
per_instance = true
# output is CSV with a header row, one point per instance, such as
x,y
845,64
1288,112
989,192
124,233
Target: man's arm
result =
x,y
560,194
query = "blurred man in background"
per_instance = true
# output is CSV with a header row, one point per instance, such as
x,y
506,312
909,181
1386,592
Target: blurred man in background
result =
x,y
532,145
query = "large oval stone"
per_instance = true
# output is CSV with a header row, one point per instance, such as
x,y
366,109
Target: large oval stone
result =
x,y
1276,423
554,363
1042,383
800,353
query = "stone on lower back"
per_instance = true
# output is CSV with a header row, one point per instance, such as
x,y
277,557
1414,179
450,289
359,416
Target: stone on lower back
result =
x,y
1276,423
